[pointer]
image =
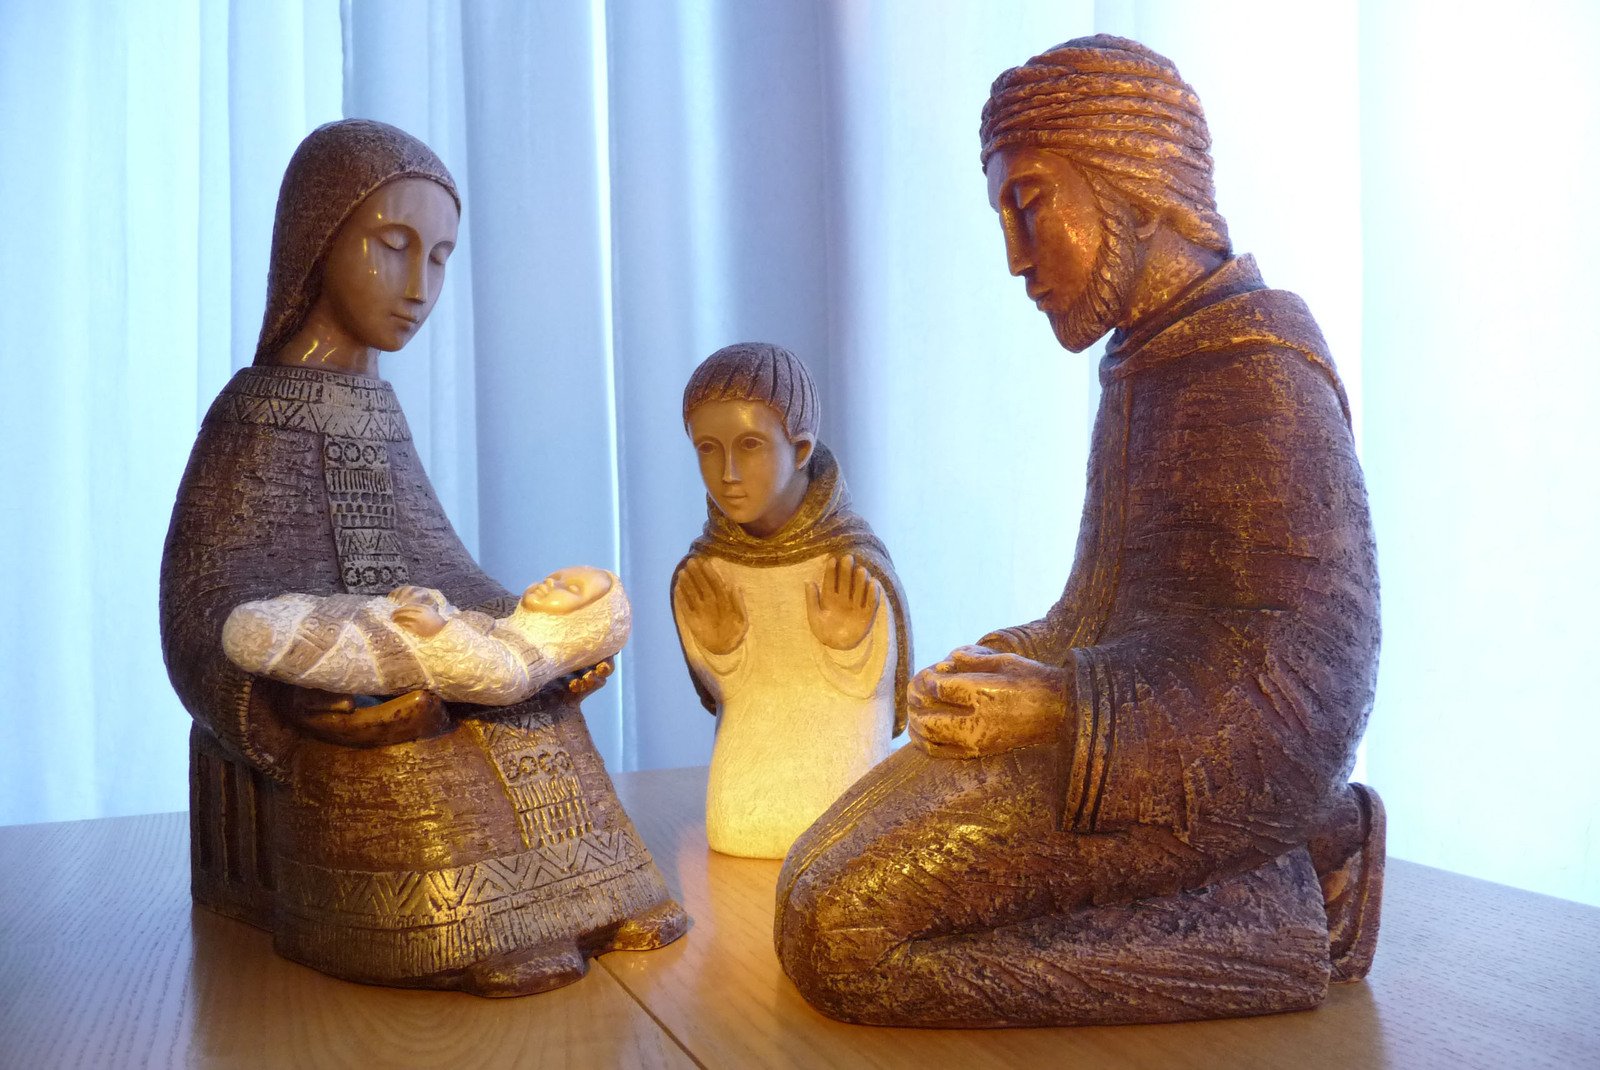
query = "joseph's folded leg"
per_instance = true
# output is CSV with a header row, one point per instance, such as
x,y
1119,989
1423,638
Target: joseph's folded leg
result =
x,y
940,893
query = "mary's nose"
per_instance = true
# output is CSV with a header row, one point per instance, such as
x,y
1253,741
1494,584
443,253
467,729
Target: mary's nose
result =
x,y
417,277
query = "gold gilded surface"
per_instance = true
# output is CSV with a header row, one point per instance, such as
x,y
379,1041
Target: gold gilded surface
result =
x,y
393,840
1134,809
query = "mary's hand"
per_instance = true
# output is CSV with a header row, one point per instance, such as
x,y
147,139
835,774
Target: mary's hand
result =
x,y
353,721
591,680
978,702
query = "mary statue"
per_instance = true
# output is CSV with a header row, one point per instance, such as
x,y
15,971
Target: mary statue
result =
x,y
401,842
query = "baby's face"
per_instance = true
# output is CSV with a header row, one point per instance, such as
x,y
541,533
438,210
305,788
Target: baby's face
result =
x,y
567,590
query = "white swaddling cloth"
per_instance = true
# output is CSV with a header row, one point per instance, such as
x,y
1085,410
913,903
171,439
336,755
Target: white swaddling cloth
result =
x,y
350,644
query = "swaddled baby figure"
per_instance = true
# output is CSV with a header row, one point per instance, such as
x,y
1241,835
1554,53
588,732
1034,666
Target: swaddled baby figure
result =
x,y
413,638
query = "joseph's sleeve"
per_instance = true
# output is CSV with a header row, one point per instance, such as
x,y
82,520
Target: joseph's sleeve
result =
x,y
1043,640
1227,691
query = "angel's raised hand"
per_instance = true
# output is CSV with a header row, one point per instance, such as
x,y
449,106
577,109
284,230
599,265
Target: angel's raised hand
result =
x,y
711,609
842,605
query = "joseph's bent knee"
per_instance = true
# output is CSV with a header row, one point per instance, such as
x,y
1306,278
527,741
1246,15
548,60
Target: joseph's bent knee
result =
x,y
831,916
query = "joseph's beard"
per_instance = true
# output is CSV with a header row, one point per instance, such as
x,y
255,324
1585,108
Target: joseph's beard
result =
x,y
1083,323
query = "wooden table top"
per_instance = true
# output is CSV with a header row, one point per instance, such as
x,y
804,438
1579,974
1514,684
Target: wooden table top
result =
x,y
104,963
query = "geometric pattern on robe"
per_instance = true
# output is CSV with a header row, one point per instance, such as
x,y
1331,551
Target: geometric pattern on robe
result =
x,y
508,821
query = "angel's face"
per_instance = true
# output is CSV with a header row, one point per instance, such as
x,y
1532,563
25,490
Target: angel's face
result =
x,y
754,472
566,590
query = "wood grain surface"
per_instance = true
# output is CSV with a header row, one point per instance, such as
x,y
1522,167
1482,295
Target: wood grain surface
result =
x,y
104,963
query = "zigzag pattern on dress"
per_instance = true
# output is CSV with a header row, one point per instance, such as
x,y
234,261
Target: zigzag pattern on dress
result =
x,y
300,416
399,900
418,950
314,404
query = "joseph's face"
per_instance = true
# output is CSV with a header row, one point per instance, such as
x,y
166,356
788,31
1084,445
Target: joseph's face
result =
x,y
746,460
1054,231
386,266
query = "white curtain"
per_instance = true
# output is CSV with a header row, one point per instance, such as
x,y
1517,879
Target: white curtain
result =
x,y
140,152
648,180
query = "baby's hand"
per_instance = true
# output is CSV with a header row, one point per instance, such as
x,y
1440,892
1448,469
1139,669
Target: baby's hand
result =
x,y
419,620
843,606
409,595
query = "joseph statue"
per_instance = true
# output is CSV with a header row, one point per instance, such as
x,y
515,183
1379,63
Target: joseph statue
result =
x,y
1136,808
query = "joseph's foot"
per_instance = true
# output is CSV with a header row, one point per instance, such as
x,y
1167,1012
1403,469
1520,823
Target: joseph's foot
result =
x,y
526,972
1352,894
656,927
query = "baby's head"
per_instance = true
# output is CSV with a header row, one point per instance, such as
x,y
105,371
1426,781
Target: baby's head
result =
x,y
575,616
751,411
567,590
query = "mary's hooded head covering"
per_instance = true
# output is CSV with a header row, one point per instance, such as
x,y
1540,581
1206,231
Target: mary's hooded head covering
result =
x,y
335,168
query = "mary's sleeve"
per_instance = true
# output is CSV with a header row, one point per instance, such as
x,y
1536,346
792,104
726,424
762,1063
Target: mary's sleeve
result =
x,y
249,508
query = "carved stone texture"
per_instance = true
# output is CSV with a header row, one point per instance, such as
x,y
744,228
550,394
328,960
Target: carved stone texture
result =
x,y
792,619
406,844
1135,808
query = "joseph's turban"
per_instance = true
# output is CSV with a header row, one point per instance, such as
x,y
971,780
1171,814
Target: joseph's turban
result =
x,y
1120,111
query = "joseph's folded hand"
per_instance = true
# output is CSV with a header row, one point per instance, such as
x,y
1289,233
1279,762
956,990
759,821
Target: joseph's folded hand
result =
x,y
978,702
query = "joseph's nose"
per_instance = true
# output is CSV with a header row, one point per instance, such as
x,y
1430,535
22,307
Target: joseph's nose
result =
x,y
730,474
1017,258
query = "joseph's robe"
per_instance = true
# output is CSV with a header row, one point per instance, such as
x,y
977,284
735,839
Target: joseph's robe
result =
x,y
1220,625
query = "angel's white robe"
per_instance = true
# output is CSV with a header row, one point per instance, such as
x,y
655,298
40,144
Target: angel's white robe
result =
x,y
799,722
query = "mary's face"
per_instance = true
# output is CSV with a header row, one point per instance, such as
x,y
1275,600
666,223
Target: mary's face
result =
x,y
386,266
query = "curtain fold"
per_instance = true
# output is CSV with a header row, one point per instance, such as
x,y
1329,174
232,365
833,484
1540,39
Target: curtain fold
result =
x,y
137,141
720,234
1479,144
648,180
536,141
